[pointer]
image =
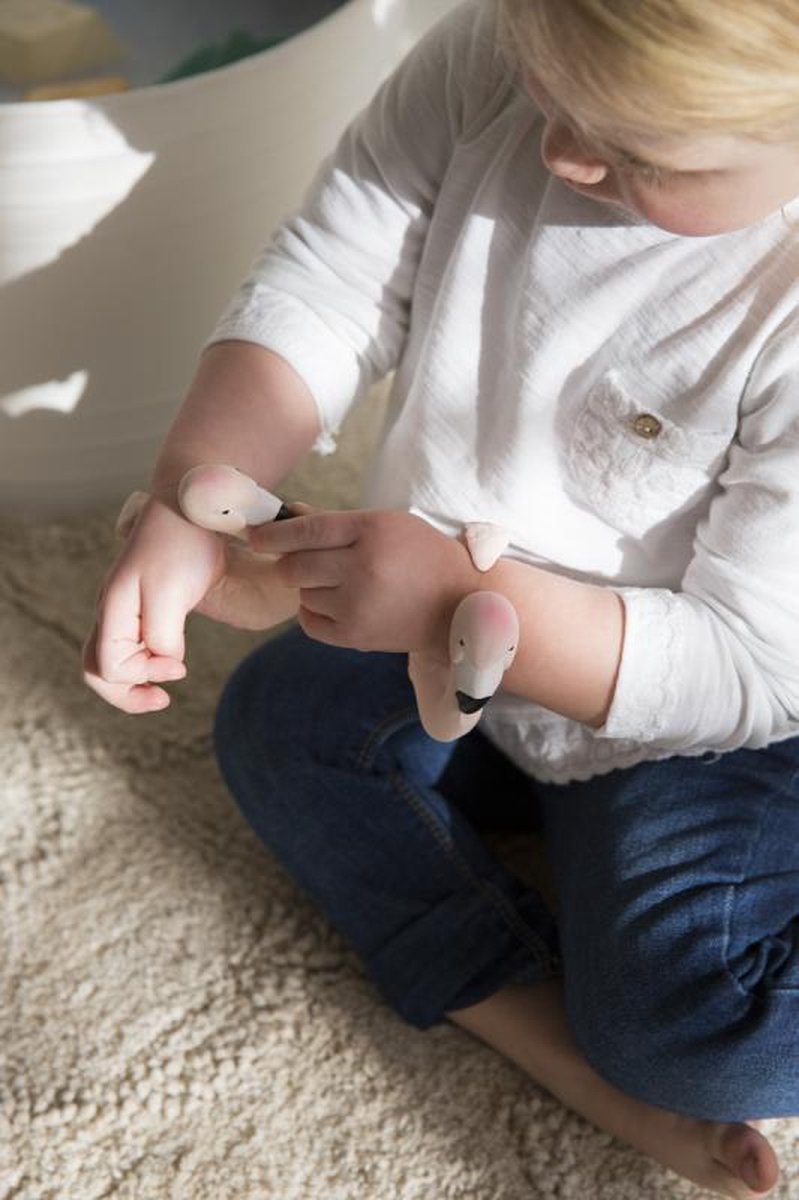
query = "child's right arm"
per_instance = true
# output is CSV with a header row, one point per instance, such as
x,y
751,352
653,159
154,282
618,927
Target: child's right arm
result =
x,y
325,311
246,406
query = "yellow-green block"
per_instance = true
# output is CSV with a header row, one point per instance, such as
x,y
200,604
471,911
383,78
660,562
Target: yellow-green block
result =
x,y
43,40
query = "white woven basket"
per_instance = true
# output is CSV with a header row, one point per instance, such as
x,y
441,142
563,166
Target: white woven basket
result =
x,y
126,222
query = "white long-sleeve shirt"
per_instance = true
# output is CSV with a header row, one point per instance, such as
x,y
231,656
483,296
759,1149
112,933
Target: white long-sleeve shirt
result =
x,y
624,400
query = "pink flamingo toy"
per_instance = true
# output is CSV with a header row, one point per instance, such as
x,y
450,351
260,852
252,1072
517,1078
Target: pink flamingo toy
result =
x,y
483,635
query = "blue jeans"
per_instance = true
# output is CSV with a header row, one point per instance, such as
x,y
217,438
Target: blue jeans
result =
x,y
677,931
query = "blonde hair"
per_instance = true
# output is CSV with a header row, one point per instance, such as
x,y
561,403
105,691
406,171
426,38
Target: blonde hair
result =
x,y
664,67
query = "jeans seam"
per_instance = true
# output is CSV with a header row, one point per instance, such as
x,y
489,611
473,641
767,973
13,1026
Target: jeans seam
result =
x,y
365,759
750,993
391,724
493,898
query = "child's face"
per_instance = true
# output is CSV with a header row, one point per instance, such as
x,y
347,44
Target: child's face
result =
x,y
693,186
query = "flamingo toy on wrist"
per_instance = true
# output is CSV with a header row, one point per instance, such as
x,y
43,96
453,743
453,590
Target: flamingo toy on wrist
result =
x,y
226,500
483,633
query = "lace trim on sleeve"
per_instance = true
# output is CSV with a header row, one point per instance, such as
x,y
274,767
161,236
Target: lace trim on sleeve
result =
x,y
647,690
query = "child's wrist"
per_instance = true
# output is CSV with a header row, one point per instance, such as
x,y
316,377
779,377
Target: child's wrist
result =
x,y
164,489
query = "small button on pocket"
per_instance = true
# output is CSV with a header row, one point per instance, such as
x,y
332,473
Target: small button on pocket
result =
x,y
636,469
645,425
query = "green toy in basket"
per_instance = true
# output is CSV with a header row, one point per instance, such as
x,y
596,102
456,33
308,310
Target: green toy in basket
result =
x,y
238,44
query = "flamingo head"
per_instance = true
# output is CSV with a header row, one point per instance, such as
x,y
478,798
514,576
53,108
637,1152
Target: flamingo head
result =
x,y
224,499
483,638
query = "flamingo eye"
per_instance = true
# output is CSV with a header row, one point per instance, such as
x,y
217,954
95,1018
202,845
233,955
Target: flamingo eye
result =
x,y
461,641
225,512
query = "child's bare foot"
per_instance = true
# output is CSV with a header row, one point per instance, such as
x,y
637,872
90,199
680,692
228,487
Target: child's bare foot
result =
x,y
528,1025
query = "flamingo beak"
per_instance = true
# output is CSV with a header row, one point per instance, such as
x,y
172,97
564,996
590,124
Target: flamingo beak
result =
x,y
470,704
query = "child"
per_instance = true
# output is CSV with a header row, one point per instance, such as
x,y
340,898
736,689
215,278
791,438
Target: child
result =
x,y
567,225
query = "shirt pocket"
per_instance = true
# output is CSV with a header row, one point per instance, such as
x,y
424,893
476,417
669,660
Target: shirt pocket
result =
x,y
633,465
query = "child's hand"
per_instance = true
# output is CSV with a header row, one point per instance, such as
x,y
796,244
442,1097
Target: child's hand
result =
x,y
164,571
370,579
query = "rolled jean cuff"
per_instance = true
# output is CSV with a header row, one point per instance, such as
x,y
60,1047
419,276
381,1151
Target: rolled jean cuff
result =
x,y
463,950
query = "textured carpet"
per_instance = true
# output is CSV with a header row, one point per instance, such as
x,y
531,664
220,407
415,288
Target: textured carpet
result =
x,y
176,1021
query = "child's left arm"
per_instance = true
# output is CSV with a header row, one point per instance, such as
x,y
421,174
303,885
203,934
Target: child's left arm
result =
x,y
377,580
713,664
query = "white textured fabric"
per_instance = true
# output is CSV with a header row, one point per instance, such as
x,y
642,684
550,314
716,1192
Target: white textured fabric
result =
x,y
529,327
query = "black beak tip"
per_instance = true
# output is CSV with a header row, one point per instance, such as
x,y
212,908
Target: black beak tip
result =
x,y
470,704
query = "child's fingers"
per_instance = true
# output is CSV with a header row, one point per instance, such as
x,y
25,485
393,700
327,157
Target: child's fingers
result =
x,y
315,530
134,700
312,568
121,653
118,636
163,621
319,627
130,698
321,602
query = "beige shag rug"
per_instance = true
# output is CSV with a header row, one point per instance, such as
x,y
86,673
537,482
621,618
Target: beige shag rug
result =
x,y
176,1020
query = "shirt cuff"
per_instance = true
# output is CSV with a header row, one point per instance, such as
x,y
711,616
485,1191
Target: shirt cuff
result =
x,y
647,689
